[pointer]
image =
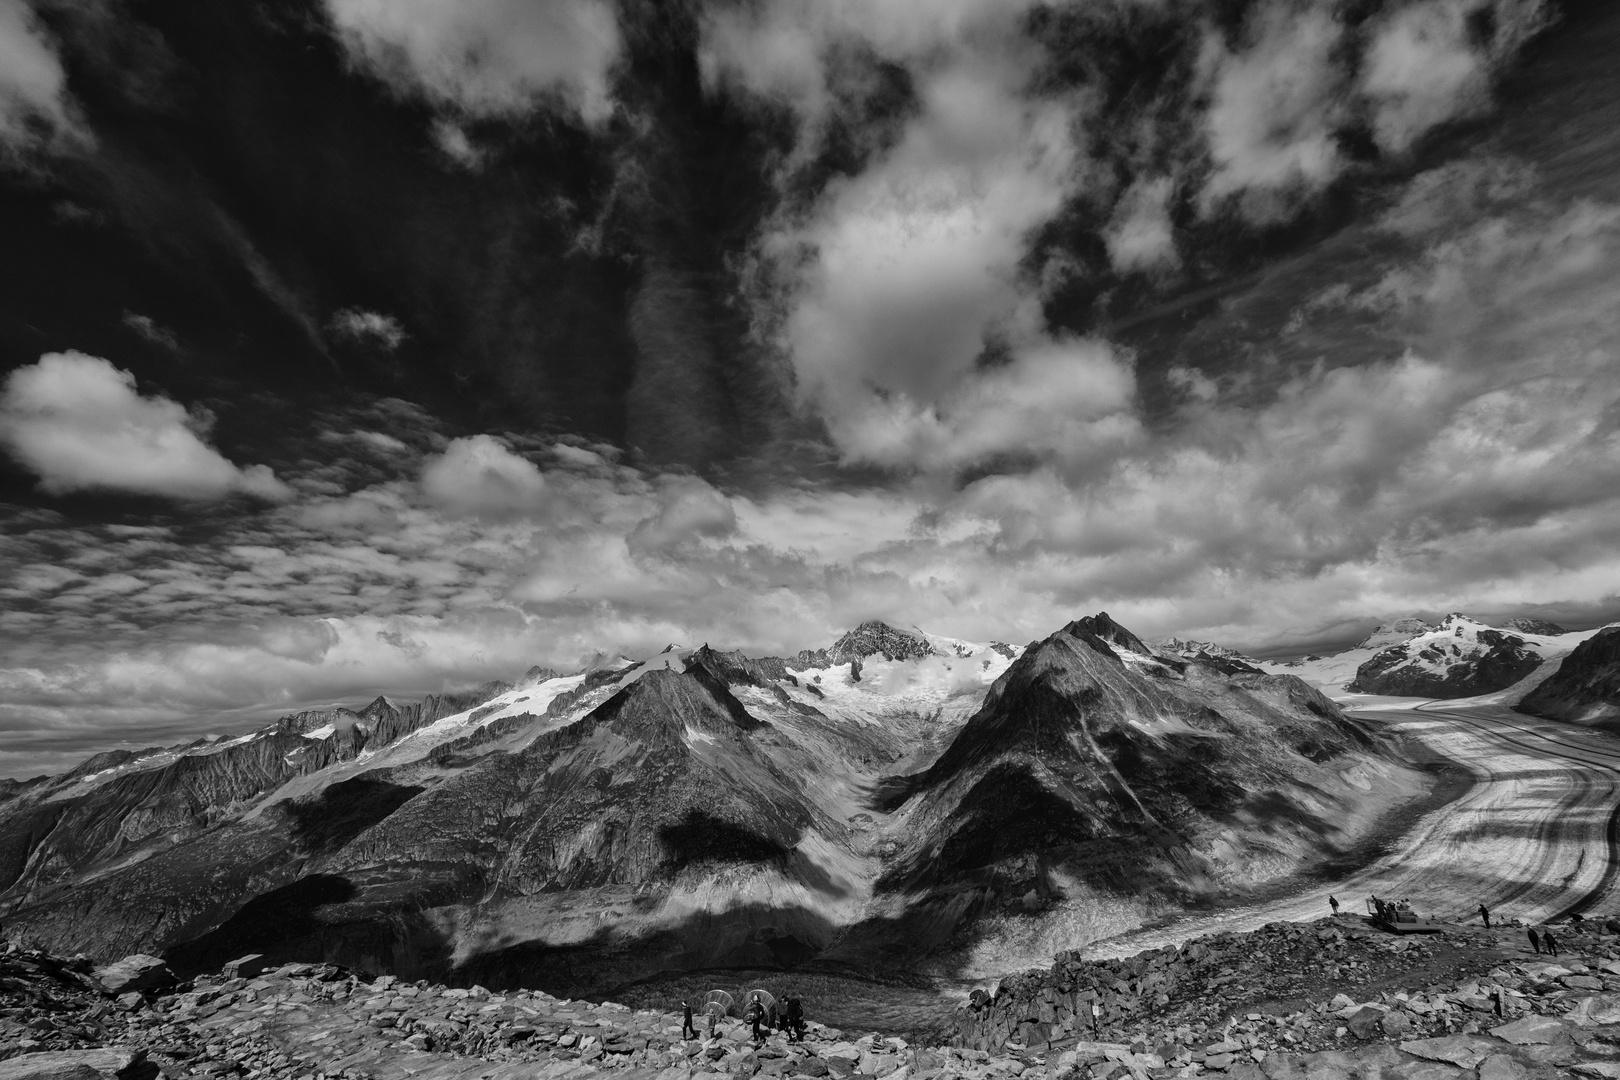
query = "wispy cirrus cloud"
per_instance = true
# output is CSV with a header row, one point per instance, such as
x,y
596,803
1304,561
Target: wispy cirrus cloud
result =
x,y
36,112
368,327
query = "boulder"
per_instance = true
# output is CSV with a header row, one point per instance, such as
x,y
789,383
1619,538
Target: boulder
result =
x,y
245,967
137,973
1425,1070
1365,1022
1604,1070
1596,1009
101,1063
1463,1051
1501,1067
1533,1029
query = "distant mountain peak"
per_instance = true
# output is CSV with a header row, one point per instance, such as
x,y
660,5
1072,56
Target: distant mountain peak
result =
x,y
1393,633
1229,661
537,675
875,637
1540,627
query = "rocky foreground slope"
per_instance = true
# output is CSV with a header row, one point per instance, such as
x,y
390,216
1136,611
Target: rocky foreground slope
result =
x,y
1475,1004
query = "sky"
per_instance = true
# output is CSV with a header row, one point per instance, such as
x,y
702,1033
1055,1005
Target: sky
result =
x,y
388,346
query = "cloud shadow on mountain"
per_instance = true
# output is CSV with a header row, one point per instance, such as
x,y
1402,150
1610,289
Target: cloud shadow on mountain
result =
x,y
327,821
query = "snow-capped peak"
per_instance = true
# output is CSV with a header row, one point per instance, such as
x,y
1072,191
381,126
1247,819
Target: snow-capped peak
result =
x,y
1393,633
1189,648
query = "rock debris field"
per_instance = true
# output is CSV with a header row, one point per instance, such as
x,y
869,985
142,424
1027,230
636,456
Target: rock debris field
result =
x,y
1472,1003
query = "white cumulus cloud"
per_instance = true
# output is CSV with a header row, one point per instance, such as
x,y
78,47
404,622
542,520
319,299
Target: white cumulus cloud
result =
x,y
1275,106
79,423
1140,236
487,57
479,474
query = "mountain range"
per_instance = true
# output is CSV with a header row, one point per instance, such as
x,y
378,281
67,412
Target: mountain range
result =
x,y
1452,658
873,804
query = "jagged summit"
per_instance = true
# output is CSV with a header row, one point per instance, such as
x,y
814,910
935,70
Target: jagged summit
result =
x,y
1088,760
666,702
871,638
1102,626
537,675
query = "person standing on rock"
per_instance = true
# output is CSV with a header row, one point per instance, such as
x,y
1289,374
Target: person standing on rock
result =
x,y
1485,913
756,1016
687,1030
1535,940
1548,940
1333,903
795,1018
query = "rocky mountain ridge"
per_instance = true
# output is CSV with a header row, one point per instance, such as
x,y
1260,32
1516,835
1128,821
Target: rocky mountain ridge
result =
x,y
698,809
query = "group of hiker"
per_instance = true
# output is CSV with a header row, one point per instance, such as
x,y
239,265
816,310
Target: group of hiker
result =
x,y
762,1013
1544,941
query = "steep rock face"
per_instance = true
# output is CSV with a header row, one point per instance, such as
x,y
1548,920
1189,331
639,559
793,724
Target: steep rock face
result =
x,y
1116,770
1586,687
1102,626
1458,658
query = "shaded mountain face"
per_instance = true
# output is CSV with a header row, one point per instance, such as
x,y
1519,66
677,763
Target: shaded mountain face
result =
x,y
1093,761
1586,687
1458,658
859,804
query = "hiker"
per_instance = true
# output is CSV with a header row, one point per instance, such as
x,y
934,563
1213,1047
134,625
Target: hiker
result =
x,y
714,1019
1333,903
1548,940
1535,941
756,1016
1485,913
795,1018
687,1030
